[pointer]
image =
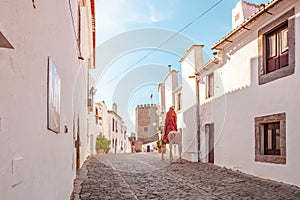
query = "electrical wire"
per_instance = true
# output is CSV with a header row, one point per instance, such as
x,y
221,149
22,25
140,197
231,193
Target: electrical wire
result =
x,y
74,29
167,40
182,29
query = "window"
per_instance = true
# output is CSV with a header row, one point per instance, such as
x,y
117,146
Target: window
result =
x,y
113,124
276,47
145,129
116,126
237,17
96,109
270,139
209,85
178,101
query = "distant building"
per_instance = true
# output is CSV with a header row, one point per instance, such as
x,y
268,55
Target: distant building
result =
x,y
170,95
147,123
166,91
97,124
117,133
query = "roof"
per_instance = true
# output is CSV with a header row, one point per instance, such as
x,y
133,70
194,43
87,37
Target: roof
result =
x,y
263,9
212,61
189,51
115,114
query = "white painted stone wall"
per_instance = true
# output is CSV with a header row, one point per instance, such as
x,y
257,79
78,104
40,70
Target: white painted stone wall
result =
x,y
190,61
171,83
122,139
37,163
105,127
94,127
243,99
83,84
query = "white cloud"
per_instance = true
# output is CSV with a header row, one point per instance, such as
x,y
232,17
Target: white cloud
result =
x,y
115,17
153,16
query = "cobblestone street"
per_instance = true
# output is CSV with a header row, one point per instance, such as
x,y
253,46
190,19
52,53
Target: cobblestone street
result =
x,y
146,176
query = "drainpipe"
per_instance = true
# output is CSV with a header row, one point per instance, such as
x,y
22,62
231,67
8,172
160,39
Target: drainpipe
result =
x,y
197,81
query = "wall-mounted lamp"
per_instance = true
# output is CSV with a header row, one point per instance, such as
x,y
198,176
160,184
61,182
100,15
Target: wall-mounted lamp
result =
x,y
93,91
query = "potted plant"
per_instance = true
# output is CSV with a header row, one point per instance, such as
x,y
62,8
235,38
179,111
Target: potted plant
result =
x,y
102,144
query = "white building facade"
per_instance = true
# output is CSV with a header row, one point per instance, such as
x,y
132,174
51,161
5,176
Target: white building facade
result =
x,y
249,100
98,124
170,95
43,66
187,119
117,132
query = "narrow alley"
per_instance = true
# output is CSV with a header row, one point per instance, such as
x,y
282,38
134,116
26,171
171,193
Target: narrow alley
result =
x,y
146,176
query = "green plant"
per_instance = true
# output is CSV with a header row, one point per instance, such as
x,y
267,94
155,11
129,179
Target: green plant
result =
x,y
102,143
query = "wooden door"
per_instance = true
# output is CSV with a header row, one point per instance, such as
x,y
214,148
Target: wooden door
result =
x,y
209,130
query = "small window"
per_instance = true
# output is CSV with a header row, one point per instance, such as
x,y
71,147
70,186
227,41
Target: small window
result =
x,y
178,101
270,139
96,109
209,85
116,126
237,17
145,129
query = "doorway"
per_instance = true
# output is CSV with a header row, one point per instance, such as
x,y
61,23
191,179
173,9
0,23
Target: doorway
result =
x,y
209,132
77,145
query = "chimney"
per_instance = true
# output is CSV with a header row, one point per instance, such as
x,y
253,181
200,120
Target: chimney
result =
x,y
242,11
169,66
115,108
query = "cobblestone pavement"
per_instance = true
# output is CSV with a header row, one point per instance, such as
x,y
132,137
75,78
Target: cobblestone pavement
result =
x,y
146,176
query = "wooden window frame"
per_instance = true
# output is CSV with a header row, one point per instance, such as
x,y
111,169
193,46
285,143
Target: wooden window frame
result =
x,y
260,151
270,138
279,59
263,75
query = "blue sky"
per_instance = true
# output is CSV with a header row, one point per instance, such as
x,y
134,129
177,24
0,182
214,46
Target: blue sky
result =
x,y
126,39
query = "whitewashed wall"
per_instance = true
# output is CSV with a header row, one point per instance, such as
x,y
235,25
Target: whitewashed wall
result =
x,y
171,83
244,100
37,163
190,61
83,83
113,135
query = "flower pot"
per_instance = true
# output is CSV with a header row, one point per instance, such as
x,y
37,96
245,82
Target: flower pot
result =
x,y
100,151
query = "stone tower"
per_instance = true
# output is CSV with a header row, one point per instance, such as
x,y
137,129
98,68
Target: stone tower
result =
x,y
147,123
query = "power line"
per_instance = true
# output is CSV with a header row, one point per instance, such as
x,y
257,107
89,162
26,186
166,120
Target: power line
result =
x,y
182,29
167,40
